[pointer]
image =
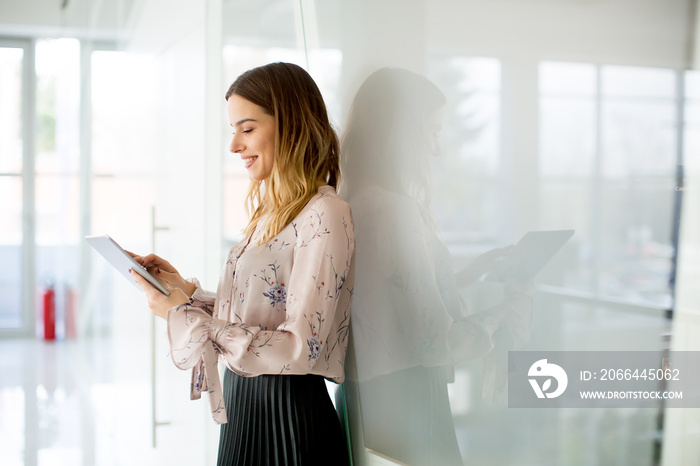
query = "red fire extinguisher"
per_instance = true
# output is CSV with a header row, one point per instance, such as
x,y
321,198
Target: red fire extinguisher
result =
x,y
49,313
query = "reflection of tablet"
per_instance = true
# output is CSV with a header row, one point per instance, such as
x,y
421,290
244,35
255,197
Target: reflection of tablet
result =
x,y
530,255
122,261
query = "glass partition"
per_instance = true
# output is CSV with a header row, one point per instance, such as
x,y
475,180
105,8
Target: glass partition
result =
x,y
456,144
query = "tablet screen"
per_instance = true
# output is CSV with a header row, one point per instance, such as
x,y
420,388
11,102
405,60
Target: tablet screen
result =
x,y
530,255
122,261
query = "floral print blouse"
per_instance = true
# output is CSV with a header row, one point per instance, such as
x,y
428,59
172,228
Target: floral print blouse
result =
x,y
282,307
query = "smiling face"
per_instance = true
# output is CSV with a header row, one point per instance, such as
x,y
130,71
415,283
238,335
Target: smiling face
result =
x,y
253,136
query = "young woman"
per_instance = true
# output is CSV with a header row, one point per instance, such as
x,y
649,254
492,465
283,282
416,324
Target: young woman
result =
x,y
279,320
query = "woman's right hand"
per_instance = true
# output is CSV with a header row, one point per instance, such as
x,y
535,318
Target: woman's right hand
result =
x,y
164,272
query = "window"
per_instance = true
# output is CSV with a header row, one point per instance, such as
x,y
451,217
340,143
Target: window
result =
x,y
12,148
607,166
56,175
58,187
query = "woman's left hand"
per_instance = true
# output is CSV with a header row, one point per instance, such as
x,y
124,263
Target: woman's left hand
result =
x,y
157,301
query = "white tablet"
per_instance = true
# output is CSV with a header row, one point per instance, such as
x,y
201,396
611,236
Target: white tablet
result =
x,y
122,261
530,255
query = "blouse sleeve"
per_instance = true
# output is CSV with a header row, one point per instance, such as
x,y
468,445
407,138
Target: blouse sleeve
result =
x,y
202,298
321,262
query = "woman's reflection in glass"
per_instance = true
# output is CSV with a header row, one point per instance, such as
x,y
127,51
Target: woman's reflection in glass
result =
x,y
409,323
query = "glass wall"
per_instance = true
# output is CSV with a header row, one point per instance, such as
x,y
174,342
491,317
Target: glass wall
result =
x,y
461,135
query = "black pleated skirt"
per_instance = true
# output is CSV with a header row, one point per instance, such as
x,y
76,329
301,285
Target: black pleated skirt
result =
x,y
280,420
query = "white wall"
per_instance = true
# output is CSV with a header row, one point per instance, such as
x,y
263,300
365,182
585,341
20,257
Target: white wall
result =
x,y
630,32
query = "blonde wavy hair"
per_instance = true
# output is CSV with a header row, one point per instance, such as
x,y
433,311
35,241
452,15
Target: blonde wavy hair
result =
x,y
307,153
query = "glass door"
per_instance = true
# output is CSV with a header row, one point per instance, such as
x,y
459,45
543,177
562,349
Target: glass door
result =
x,y
15,187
